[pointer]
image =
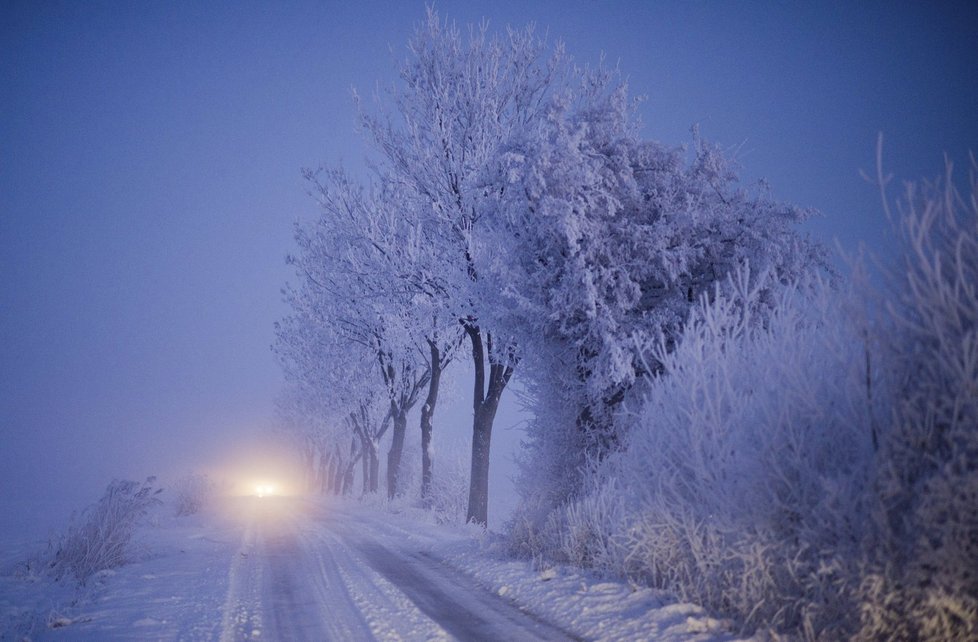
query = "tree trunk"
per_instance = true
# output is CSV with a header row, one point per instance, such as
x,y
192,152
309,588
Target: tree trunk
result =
x,y
364,444
371,465
478,510
374,468
325,465
394,454
348,477
309,464
337,476
333,465
485,402
427,411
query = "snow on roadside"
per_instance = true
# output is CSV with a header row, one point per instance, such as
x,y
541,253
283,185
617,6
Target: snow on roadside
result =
x,y
587,605
174,589
576,600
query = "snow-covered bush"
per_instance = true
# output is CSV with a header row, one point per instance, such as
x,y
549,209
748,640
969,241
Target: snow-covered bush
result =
x,y
101,536
587,528
809,465
192,493
739,484
924,580
448,498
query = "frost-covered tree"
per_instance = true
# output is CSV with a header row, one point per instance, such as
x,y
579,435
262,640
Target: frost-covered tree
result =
x,y
537,220
308,435
458,100
366,288
327,453
597,243
368,419
442,341
328,377
354,286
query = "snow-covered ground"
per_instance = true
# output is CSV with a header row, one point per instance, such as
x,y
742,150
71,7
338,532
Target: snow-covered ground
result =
x,y
293,568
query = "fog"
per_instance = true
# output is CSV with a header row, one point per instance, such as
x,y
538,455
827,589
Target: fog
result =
x,y
150,159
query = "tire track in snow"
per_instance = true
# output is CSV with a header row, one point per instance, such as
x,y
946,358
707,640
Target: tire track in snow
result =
x,y
457,602
279,587
298,576
343,620
242,606
294,609
383,609
291,579
465,610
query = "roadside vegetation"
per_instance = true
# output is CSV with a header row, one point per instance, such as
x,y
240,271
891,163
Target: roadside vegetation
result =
x,y
715,411
810,468
100,537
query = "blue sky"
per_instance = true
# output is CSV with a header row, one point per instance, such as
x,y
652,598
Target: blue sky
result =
x,y
150,158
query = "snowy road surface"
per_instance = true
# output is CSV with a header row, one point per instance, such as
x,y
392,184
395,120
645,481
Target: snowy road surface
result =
x,y
304,573
327,569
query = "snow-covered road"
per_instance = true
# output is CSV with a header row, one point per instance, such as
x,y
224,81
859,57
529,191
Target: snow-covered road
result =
x,y
289,568
304,572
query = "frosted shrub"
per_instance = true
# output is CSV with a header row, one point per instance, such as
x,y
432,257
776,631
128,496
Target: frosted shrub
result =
x,y
585,530
193,492
924,583
807,464
101,536
525,539
742,477
449,493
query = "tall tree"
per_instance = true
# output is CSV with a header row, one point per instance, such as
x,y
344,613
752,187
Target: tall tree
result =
x,y
457,101
597,243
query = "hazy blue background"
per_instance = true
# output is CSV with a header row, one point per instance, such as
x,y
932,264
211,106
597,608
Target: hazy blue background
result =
x,y
149,177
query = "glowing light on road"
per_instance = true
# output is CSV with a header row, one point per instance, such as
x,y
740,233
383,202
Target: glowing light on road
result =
x,y
264,490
